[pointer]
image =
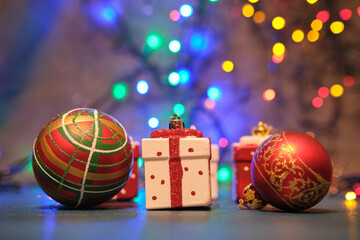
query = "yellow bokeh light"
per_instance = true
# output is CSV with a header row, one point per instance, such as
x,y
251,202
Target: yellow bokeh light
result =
x,y
337,27
227,66
253,1
278,23
336,90
313,36
278,49
248,10
269,95
311,1
316,25
259,17
350,196
298,35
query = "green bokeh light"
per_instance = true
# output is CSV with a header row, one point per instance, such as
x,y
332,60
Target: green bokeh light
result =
x,y
179,108
154,41
224,174
140,162
119,91
30,164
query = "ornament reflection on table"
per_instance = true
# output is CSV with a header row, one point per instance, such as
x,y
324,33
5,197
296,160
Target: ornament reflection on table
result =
x,y
291,171
177,167
82,158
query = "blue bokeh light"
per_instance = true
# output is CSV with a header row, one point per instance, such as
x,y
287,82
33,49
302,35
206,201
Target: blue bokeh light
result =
x,y
186,10
185,75
106,12
153,122
214,93
109,14
142,87
200,43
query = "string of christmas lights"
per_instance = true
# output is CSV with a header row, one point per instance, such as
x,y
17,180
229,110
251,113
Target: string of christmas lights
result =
x,y
199,42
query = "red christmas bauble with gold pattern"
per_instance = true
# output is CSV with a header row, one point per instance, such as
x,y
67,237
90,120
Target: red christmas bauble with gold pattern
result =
x,y
291,171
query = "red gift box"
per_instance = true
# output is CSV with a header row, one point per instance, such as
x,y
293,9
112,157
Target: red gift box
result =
x,y
131,188
242,155
242,164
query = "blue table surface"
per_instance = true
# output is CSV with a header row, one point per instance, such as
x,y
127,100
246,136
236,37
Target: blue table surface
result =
x,y
30,214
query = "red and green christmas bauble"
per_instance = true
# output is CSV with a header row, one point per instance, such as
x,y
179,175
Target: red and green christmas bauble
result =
x,y
291,171
82,158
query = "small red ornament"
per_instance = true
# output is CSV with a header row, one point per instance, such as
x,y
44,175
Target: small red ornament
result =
x,y
291,171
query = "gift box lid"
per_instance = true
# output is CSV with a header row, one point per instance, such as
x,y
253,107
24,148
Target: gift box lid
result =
x,y
243,153
165,133
244,150
191,147
176,141
252,140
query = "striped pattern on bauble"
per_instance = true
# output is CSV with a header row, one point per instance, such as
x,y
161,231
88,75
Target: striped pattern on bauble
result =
x,y
82,158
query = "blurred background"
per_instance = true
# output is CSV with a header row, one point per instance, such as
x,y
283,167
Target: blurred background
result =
x,y
222,65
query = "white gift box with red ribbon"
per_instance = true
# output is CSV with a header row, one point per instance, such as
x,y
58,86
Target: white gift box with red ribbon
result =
x,y
177,171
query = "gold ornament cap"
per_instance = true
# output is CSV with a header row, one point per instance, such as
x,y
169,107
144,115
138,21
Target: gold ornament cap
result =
x,y
176,123
251,199
262,129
